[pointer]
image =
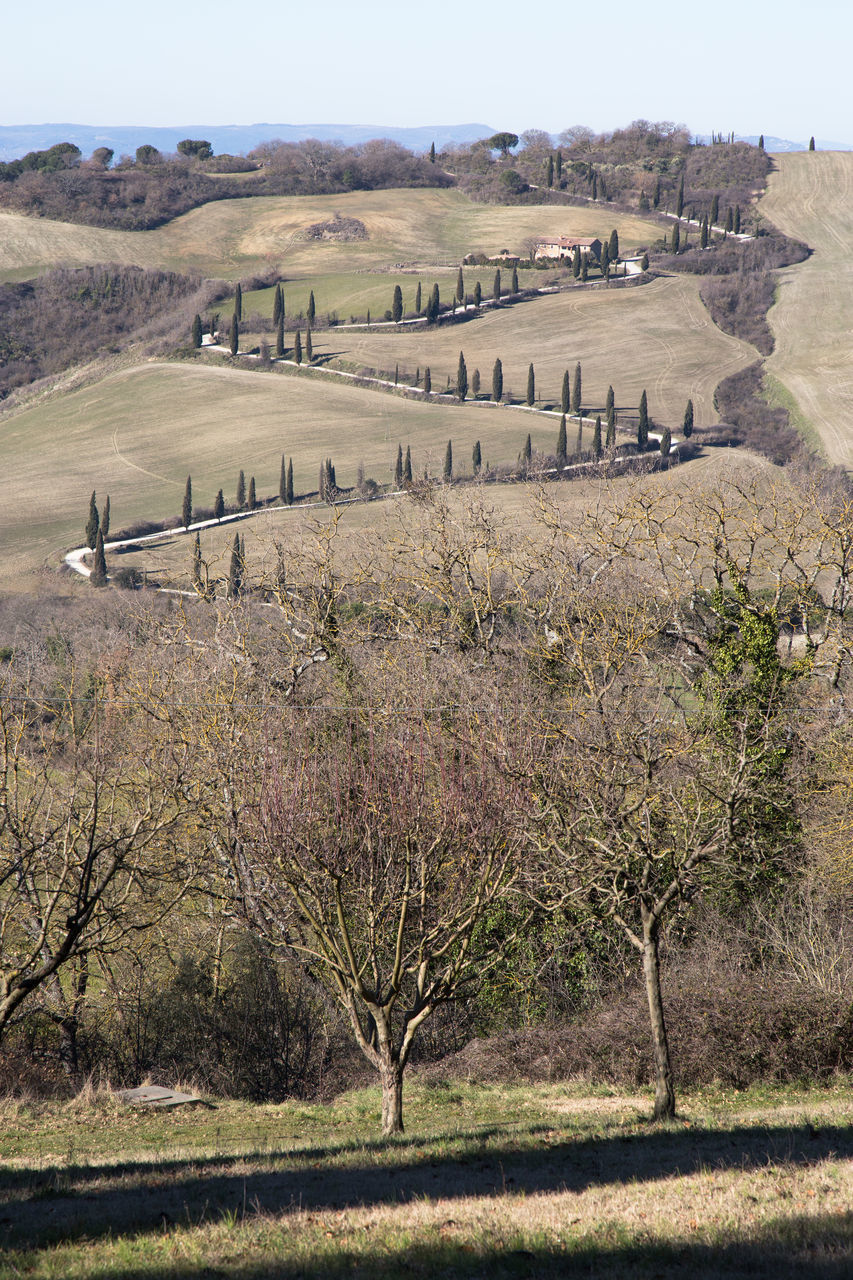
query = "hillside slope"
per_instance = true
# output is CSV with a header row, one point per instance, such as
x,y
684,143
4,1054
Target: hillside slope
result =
x,y
810,197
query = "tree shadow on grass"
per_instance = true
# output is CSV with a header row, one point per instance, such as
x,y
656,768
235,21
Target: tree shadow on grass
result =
x,y
47,1205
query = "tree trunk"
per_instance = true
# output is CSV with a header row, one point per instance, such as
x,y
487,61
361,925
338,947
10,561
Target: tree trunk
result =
x,y
664,1086
391,1074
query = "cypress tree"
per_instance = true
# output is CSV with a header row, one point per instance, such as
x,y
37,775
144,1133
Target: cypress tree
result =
x,y
277,309
297,347
610,407
703,234
93,524
562,443
219,505
761,143
584,269
579,441
656,196
596,437
595,186
514,285
715,210
418,376
288,496
398,467
643,423
418,299
497,381
187,508
448,463
613,246
665,442
367,318
605,259
432,153
475,383
679,200
531,385
496,287
282,481
235,334
407,466
811,143
527,452
427,380
676,239
197,581
460,287
478,294
610,439
397,305
309,346
279,336
737,219
576,263
687,426
558,166
312,310
197,334
253,494
549,171
396,375
241,491
576,390
730,219
565,399
98,576
461,378
235,571
477,457
238,302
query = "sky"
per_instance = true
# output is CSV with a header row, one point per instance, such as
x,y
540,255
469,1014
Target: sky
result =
x,y
782,69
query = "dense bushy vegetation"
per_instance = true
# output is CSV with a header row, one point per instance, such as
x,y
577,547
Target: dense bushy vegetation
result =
x,y
68,316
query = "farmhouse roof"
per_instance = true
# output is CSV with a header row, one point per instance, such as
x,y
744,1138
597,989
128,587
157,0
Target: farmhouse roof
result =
x,y
570,242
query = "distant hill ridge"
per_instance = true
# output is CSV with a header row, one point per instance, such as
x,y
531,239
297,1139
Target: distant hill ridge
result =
x,y
17,140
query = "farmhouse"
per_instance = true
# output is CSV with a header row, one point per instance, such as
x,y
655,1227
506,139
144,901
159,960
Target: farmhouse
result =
x,y
560,247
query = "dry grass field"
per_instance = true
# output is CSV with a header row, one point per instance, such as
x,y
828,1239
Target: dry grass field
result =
x,y
232,238
810,196
489,1181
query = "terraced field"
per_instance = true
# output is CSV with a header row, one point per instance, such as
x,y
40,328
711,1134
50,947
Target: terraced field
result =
x,y
810,196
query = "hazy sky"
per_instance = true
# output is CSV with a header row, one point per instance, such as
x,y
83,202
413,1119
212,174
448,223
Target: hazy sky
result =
x,y
780,68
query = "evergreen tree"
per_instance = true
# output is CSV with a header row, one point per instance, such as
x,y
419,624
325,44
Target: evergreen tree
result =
x,y
687,426
730,219
610,407
811,143
427,380
105,519
397,305
703,234
477,457
235,334
613,246
679,200
558,167
282,481
528,450
665,442
253,494
605,259
235,571
367,318
715,210
478,294
396,375
279,336
657,194
565,395
761,143
549,171
219,506
497,381
475,383
309,345
496,287
461,378
460,287
312,310
196,570
584,269
433,305
277,308
418,299
595,186
448,463
513,288
531,385
241,491
643,423
596,437
432,153
737,219
576,390
644,262
407,466
187,508
579,441
98,576
238,302
562,442
93,524
197,333
288,496
398,468
576,263
297,347
676,239
610,439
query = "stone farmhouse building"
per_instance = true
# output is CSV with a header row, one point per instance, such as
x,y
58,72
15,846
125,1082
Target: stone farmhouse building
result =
x,y
559,248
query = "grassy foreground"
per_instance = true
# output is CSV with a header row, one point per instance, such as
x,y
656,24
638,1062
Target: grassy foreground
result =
x,y
488,1181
